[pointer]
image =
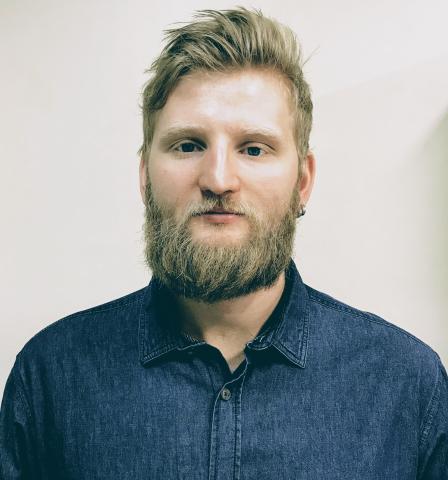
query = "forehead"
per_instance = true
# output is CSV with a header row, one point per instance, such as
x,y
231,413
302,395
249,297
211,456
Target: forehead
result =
x,y
249,98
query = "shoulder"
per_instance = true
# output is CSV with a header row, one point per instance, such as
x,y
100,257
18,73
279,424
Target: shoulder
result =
x,y
387,360
373,345
345,319
85,327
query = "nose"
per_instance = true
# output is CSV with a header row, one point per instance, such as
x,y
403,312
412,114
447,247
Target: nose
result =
x,y
219,171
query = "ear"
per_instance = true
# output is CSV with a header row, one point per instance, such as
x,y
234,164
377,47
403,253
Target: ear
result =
x,y
143,178
307,180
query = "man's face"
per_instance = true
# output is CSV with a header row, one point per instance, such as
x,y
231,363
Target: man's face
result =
x,y
223,141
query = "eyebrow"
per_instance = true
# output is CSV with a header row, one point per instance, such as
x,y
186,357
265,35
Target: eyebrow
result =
x,y
172,134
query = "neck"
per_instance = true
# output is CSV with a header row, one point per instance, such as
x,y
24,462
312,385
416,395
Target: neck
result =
x,y
230,324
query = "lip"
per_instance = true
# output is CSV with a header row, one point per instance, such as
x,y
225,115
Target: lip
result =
x,y
220,217
221,211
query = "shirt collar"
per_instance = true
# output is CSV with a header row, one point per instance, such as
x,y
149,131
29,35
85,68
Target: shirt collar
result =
x,y
286,329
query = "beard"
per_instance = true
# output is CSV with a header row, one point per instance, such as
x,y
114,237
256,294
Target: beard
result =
x,y
210,272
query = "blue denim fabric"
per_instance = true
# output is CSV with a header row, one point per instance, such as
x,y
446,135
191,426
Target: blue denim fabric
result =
x,y
325,392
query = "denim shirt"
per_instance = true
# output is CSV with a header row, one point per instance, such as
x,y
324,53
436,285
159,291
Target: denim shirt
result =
x,y
325,391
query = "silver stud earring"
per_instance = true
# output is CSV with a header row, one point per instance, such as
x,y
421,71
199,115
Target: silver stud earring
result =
x,y
302,211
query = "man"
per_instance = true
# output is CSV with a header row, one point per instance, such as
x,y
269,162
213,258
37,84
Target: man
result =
x,y
226,366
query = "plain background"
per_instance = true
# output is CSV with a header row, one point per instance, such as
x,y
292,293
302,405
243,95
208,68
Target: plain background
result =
x,y
375,234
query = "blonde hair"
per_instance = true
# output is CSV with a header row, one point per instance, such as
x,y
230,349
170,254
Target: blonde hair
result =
x,y
225,40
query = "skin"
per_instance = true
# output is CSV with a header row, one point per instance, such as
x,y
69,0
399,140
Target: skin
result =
x,y
235,139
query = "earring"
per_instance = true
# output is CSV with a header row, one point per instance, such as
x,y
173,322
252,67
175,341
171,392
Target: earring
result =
x,y
302,211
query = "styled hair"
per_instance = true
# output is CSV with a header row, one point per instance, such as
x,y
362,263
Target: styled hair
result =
x,y
225,40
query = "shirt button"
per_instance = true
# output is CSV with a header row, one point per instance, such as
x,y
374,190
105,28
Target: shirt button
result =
x,y
226,393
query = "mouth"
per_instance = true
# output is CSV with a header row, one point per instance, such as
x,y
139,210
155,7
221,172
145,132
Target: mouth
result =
x,y
219,215
220,211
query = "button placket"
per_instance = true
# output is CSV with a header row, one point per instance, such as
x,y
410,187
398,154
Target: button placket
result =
x,y
225,445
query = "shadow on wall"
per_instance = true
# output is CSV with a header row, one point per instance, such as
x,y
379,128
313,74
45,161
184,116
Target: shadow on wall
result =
x,y
434,154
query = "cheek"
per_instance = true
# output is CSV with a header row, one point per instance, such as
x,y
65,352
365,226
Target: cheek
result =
x,y
170,186
282,169
274,184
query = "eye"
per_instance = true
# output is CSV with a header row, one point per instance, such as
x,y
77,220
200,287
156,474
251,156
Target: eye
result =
x,y
254,151
187,147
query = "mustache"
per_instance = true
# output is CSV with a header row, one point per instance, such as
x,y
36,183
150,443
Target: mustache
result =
x,y
195,210
200,207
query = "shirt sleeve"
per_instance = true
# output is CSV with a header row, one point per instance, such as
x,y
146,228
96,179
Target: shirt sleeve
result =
x,y
17,452
433,464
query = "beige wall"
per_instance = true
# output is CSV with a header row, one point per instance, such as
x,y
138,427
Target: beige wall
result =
x,y
375,233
